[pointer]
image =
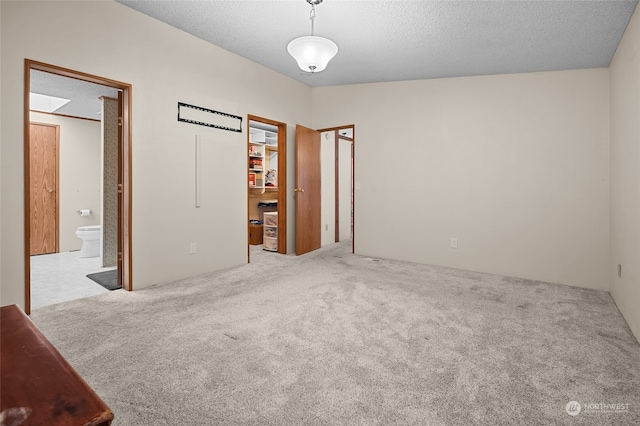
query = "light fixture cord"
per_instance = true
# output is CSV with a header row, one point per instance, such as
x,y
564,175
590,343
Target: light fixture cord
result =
x,y
312,16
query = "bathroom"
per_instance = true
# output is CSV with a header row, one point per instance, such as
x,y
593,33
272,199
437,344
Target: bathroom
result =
x,y
81,217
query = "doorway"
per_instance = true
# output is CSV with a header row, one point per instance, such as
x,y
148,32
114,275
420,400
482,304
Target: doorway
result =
x,y
344,187
267,185
122,180
324,188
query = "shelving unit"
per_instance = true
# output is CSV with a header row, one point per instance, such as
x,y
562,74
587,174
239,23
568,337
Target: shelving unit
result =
x,y
264,193
256,165
263,159
270,231
263,136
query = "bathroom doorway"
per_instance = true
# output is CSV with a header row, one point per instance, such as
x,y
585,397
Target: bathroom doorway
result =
x,y
102,201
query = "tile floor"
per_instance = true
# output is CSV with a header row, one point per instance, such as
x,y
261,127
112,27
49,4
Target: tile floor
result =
x,y
60,277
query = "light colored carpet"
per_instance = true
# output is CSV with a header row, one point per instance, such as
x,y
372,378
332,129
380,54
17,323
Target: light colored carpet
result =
x,y
332,338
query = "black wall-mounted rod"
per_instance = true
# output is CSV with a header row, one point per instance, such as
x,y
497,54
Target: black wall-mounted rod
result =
x,y
210,111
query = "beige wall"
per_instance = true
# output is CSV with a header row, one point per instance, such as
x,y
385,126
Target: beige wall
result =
x,y
513,166
164,66
625,174
80,164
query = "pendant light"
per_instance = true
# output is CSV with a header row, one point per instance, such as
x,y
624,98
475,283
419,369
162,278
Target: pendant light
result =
x,y
312,53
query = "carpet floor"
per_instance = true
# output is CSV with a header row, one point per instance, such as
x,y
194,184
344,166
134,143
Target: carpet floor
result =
x,y
332,338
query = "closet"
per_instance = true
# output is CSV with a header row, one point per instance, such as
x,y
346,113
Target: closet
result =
x,y
264,178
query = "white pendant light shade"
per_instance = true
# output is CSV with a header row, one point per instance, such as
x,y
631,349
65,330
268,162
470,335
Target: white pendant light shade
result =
x,y
312,53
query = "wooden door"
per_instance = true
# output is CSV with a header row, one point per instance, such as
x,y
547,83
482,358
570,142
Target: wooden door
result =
x,y
307,190
43,196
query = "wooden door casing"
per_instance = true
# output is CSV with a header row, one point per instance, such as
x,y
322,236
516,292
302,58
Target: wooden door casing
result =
x,y
44,148
308,190
120,187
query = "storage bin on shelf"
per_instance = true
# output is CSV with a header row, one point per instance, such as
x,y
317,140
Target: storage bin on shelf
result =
x,y
270,232
270,244
271,218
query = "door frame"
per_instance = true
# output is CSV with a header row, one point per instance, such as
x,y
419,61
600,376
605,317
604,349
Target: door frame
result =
x,y
353,174
281,180
125,166
57,176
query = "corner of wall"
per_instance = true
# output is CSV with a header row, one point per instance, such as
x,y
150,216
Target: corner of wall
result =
x,y
624,172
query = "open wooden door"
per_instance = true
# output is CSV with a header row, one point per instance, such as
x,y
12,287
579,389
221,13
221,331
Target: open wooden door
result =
x,y
308,195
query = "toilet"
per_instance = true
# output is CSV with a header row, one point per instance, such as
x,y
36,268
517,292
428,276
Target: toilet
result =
x,y
90,236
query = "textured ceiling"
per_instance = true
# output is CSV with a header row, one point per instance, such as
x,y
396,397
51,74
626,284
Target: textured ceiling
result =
x,y
85,96
408,40
386,40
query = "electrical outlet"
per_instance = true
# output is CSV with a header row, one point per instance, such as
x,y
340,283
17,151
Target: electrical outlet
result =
x,y
326,227
358,185
192,248
454,243
619,270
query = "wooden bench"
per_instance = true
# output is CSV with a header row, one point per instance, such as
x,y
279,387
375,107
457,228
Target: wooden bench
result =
x,y
37,385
